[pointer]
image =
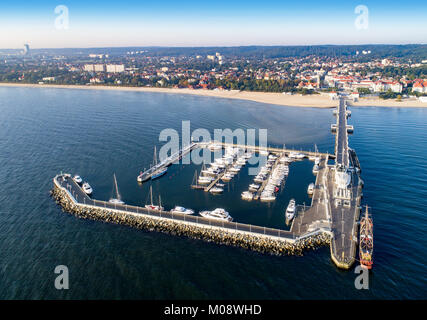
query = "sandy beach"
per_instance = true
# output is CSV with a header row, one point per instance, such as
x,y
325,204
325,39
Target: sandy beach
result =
x,y
296,100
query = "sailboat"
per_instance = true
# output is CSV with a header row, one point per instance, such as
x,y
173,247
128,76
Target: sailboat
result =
x,y
151,206
366,243
117,199
160,171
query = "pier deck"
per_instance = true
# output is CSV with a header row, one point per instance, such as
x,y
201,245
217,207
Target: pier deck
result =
x,y
311,218
344,203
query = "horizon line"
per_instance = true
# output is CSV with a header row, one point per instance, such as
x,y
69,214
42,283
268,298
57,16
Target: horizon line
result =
x,y
221,46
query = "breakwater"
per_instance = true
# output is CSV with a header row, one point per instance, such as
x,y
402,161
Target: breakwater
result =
x,y
236,238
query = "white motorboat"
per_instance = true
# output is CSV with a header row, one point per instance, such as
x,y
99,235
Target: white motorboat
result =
x,y
315,169
221,185
234,169
247,195
182,210
227,177
204,180
217,214
248,155
310,188
77,179
290,210
87,188
241,161
117,199
267,196
216,190
254,186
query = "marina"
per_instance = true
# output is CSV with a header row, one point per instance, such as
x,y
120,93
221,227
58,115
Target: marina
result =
x,y
333,213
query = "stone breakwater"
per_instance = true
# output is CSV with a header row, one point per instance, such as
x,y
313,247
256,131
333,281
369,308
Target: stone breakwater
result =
x,y
219,236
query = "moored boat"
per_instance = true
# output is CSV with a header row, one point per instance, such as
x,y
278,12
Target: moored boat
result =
x,y
151,205
217,214
117,199
87,188
247,195
366,241
179,209
77,179
216,190
310,188
290,210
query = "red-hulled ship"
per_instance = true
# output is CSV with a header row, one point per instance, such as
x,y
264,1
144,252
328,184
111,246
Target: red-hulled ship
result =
x,y
366,245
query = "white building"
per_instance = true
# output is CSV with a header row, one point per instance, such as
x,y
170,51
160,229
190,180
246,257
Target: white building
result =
x,y
99,67
114,68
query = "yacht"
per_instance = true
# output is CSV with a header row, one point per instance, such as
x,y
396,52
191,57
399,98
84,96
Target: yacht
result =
x,y
247,195
77,179
152,206
217,214
290,210
267,196
204,180
248,155
221,185
241,161
216,190
117,199
158,173
254,187
234,169
87,188
183,210
315,169
227,177
310,188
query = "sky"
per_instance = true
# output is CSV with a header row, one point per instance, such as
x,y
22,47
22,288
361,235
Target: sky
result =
x,y
95,23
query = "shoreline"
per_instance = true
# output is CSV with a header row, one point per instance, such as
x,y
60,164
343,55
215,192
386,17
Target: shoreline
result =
x,y
296,100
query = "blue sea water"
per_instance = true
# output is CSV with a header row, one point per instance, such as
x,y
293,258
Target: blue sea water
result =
x,y
98,133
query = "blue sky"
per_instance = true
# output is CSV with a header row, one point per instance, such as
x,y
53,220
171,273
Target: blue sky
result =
x,y
210,23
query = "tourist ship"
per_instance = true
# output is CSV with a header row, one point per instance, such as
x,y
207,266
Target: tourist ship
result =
x,y
217,214
366,243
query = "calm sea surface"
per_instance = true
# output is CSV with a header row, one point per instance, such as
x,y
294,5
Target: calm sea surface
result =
x,y
98,133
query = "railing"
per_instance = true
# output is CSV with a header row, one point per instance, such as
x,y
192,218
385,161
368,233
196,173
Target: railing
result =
x,y
231,226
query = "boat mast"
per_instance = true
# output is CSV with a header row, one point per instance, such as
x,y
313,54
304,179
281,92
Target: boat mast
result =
x,y
195,178
155,156
117,188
